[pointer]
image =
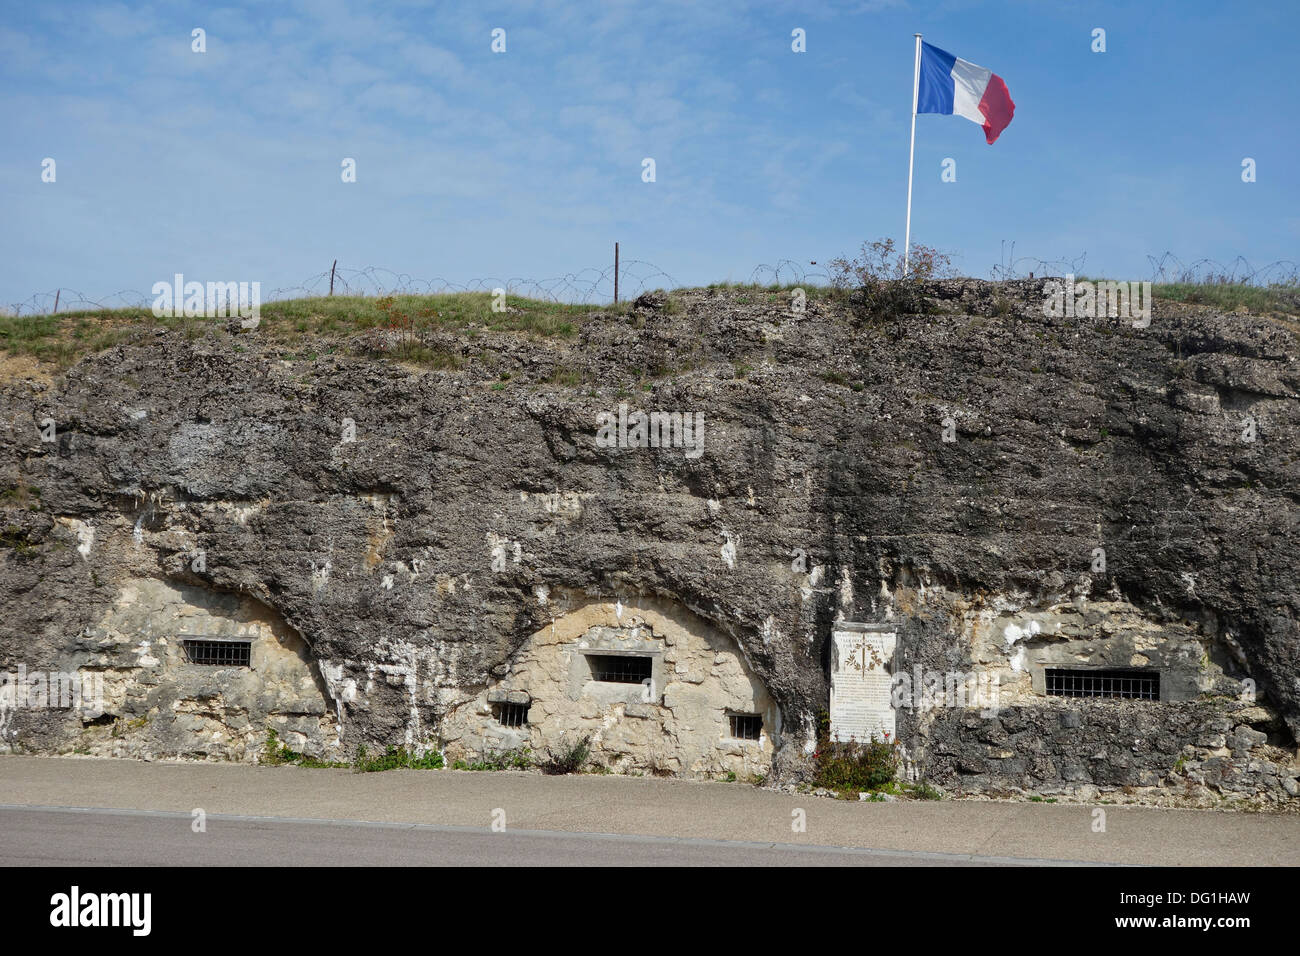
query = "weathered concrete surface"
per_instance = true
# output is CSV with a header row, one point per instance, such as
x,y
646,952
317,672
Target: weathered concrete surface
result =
x,y
413,561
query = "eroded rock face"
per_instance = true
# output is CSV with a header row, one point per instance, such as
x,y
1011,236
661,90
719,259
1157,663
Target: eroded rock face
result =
x,y
415,562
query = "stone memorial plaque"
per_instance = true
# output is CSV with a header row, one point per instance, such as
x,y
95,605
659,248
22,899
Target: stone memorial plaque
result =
x,y
861,665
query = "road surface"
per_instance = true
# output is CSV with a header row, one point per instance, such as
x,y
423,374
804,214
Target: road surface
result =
x,y
84,811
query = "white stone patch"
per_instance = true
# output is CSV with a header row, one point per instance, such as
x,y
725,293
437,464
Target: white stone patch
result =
x,y
728,549
566,503
1013,632
714,506
146,659
84,532
241,513
500,547
543,594
387,583
813,579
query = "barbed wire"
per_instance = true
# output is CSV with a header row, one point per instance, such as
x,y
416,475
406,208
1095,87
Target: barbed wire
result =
x,y
1169,268
1166,268
1016,268
787,272
596,286
587,287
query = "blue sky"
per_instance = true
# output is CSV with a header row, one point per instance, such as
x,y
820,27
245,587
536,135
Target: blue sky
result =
x,y
226,165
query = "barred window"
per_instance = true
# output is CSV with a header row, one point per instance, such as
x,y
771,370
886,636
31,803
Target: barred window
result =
x,y
746,726
619,668
218,653
1138,685
511,715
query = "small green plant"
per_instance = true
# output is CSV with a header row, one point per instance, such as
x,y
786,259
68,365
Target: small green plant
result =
x,y
498,760
851,765
876,284
396,758
923,791
275,753
569,757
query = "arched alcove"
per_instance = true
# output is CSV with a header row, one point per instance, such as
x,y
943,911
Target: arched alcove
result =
x,y
191,672
657,688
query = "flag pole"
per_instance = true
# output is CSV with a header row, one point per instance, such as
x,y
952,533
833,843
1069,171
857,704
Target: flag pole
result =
x,y
911,156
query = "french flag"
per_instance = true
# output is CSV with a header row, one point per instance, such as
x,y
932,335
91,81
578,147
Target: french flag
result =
x,y
958,87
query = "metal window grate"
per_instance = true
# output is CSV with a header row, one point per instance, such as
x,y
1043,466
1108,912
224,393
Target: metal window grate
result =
x,y
746,726
1138,685
619,669
511,715
218,653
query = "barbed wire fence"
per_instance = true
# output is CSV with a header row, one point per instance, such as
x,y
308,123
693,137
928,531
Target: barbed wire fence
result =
x,y
1165,268
587,287
595,286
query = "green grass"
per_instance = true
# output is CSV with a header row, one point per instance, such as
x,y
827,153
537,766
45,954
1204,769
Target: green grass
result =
x,y
67,337
1230,296
21,495
16,540
396,758
450,312
277,754
498,760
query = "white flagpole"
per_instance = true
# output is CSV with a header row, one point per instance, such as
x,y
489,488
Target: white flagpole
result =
x,y
911,156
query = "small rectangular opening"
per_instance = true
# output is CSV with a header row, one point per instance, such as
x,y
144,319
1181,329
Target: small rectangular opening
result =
x,y
746,726
218,653
619,668
1136,685
511,715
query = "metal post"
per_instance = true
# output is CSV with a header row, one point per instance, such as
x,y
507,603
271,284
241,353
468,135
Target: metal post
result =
x,y
911,156
57,292
332,268
616,273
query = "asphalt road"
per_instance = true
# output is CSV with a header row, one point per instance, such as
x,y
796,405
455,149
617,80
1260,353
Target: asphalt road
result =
x,y
76,837
82,811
